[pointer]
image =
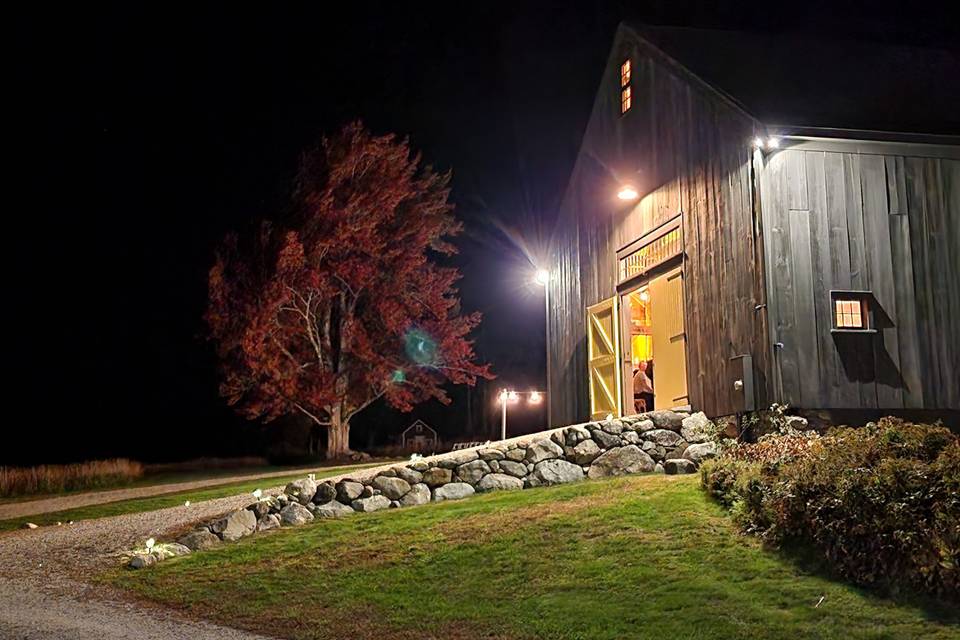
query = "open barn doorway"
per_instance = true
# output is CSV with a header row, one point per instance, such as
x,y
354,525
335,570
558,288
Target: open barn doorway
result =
x,y
654,362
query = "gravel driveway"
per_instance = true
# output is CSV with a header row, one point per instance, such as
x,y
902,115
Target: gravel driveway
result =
x,y
42,573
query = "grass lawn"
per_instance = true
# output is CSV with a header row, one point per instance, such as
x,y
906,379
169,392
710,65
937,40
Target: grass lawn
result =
x,y
636,557
137,505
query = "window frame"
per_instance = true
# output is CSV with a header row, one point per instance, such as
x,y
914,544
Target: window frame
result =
x,y
626,86
865,301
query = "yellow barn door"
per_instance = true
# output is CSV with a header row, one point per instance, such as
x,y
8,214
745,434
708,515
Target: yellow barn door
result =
x,y
603,358
669,341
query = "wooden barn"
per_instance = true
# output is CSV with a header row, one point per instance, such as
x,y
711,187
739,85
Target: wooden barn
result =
x,y
760,219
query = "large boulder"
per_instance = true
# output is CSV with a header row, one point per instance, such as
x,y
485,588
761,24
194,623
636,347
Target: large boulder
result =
x,y
516,469
301,490
235,525
585,452
676,466
604,439
295,514
667,419
393,488
491,454
696,428
499,482
700,452
663,437
373,503
332,509
267,522
418,494
260,508
555,472
642,426
411,476
575,435
199,540
457,458
348,491
326,491
453,491
613,427
170,550
543,449
437,476
516,454
621,461
472,471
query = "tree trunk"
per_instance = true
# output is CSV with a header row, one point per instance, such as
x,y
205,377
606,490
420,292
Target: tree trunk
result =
x,y
338,435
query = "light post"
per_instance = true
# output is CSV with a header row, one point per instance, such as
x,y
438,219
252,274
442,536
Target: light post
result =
x,y
506,397
542,278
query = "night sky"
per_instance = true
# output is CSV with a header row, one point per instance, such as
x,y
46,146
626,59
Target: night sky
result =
x,y
140,136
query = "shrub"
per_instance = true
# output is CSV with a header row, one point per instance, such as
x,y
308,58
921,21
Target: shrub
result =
x,y
881,503
53,478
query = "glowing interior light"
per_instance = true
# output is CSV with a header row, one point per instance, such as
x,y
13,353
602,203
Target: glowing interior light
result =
x,y
645,295
773,143
627,192
542,277
512,396
535,397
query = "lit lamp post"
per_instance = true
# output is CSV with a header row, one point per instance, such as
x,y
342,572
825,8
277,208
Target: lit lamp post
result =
x,y
542,278
513,397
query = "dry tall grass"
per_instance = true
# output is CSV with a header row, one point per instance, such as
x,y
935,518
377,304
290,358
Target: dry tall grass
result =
x,y
53,478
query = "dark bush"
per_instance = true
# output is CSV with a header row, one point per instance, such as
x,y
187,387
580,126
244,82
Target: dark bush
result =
x,y
881,503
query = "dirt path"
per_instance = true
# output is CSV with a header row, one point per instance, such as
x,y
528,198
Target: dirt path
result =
x,y
48,505
43,574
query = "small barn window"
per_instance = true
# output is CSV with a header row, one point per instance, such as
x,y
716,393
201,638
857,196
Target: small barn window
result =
x,y
625,100
851,311
625,73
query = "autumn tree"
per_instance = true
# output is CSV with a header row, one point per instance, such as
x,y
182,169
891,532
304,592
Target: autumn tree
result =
x,y
343,301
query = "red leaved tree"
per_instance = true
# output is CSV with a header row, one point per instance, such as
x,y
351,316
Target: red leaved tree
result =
x,y
343,303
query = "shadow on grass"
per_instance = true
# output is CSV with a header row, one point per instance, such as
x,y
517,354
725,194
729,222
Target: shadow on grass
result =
x,y
807,560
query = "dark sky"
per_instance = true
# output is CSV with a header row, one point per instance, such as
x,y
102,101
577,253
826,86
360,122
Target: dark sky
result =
x,y
139,136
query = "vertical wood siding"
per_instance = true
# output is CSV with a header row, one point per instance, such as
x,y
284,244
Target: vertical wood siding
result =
x,y
886,220
686,150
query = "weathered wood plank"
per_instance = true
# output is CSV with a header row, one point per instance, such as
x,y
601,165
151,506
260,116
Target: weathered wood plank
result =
x,y
795,172
877,242
851,358
821,280
805,330
846,392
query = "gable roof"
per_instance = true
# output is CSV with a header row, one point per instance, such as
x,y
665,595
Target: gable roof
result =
x,y
421,423
806,82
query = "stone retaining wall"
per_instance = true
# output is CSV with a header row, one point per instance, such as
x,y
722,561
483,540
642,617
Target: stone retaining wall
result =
x,y
655,442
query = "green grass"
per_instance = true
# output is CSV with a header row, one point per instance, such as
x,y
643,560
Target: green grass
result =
x,y
639,557
138,505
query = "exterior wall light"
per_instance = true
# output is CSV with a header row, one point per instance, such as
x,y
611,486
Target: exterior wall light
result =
x,y
773,142
541,277
627,192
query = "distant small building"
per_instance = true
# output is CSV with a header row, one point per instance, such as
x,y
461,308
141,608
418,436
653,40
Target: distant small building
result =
x,y
419,436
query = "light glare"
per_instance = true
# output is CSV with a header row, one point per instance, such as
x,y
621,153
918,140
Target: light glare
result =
x,y
627,192
541,277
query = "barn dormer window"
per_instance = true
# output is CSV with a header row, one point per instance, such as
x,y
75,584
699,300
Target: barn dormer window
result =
x,y
626,97
851,311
